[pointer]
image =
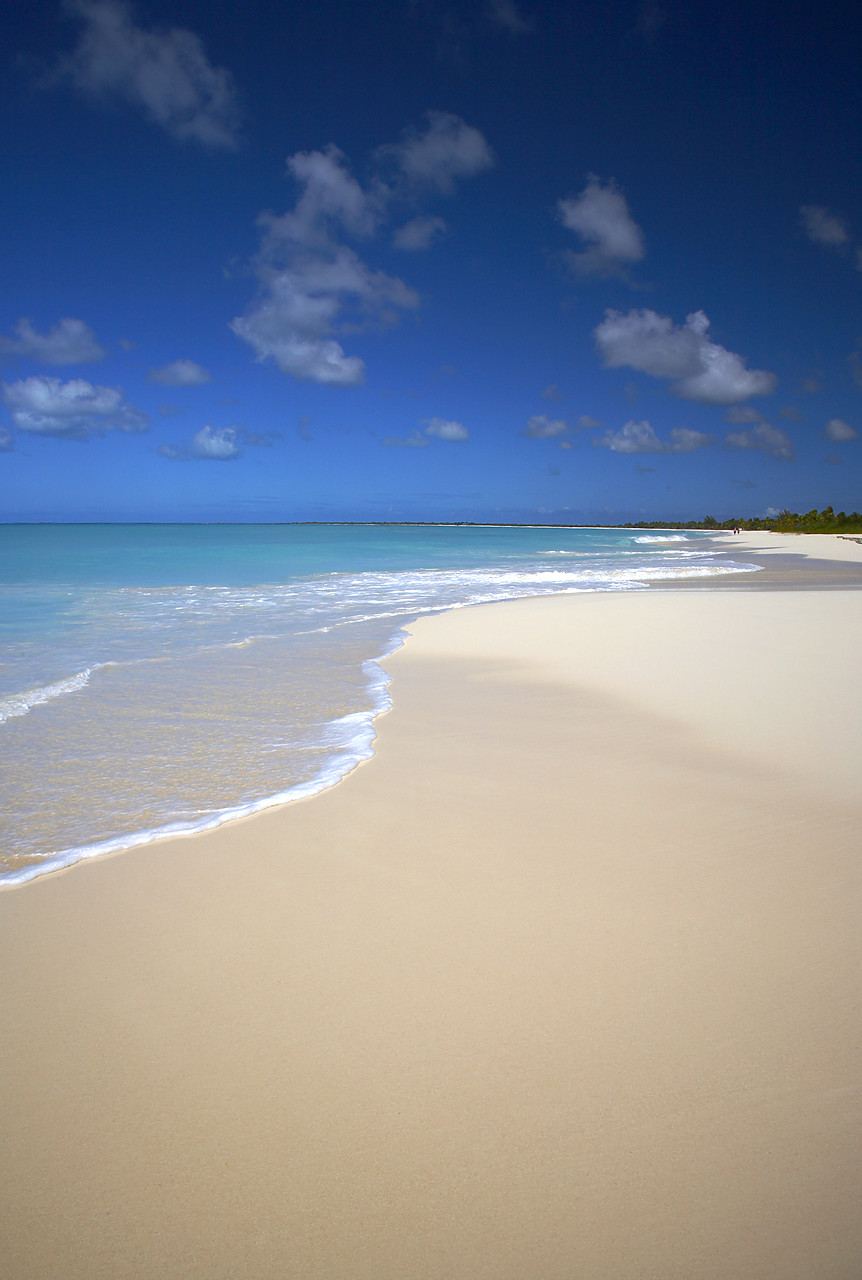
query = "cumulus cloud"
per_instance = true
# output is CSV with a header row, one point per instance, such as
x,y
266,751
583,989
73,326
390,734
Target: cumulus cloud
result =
x,y
640,437
600,216
551,392
314,288
419,233
446,430
541,427
838,431
180,373
505,13
763,438
434,158
824,228
701,369
69,342
7,440
330,201
74,410
216,444
165,73
587,423
293,319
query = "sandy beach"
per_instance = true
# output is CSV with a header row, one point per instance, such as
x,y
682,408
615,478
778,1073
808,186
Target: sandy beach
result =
x,y
564,982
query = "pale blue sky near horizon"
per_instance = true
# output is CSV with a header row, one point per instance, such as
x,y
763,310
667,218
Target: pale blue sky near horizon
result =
x,y
491,261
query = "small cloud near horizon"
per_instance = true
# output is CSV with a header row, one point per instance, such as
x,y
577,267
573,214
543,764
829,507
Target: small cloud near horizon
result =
x,y
640,437
217,444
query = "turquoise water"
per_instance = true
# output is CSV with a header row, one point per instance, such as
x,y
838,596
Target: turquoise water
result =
x,y
164,678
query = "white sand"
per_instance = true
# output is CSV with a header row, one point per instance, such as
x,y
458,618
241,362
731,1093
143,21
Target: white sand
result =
x,y
817,546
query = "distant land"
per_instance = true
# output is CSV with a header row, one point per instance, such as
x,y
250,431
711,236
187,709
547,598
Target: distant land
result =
x,y
825,521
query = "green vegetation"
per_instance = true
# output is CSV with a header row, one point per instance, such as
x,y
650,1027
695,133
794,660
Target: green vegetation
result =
x,y
826,521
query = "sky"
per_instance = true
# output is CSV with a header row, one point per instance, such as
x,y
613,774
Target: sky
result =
x,y
500,261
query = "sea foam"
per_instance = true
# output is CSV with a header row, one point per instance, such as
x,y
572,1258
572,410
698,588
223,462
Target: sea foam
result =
x,y
19,704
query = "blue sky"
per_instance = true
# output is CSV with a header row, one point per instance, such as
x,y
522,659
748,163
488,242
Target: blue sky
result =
x,y
429,261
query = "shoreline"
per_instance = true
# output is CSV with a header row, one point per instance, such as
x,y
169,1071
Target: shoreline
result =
x,y
564,981
841,569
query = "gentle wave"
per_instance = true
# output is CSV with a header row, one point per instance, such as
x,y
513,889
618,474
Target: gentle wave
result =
x,y
352,735
664,537
18,704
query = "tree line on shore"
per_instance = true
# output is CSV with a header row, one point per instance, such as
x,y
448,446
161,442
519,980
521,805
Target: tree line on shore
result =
x,y
825,521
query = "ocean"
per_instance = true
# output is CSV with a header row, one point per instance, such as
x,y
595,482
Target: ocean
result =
x,y
158,679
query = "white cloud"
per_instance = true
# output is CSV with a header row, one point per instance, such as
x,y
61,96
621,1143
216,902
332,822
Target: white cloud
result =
x,y
702,370
313,287
764,439
180,373
414,441
434,158
419,233
838,431
600,216
446,430
217,443
506,14
640,437
634,437
69,342
541,427
824,228
166,73
7,440
686,440
74,410
587,423
293,320
739,413
331,199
